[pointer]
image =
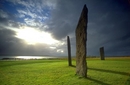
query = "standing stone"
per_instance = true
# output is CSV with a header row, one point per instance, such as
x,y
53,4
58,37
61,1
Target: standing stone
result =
x,y
69,51
81,38
102,53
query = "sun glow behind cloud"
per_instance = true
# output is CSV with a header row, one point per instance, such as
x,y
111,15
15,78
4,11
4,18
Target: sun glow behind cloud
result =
x,y
34,36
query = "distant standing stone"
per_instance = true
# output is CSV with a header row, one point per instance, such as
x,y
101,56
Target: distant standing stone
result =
x,y
69,51
81,38
102,53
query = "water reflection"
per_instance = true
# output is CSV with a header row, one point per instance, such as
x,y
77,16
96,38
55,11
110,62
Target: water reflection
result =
x,y
25,57
29,57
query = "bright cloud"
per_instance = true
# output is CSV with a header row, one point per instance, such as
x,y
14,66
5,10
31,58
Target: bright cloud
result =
x,y
53,47
34,36
60,50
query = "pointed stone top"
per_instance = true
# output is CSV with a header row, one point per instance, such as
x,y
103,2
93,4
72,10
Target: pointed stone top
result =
x,y
83,20
84,14
85,7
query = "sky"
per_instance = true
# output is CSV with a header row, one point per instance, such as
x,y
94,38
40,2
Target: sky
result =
x,y
41,27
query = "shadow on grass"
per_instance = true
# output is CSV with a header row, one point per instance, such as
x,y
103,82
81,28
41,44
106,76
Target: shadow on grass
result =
x,y
128,81
97,81
110,71
73,66
91,79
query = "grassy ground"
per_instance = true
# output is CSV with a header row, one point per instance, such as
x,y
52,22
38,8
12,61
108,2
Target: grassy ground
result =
x,y
57,72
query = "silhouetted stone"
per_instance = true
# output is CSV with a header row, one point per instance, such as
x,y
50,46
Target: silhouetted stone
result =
x,y
102,53
81,38
69,51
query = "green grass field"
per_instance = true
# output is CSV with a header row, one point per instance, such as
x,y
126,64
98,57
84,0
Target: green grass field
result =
x,y
112,71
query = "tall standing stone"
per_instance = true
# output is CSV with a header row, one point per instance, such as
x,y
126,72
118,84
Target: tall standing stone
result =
x,y
102,53
69,51
81,38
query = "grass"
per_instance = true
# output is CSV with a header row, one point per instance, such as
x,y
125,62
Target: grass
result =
x,y
112,71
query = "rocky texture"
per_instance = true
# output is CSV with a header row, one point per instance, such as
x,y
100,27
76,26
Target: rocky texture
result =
x,y
69,51
102,53
81,38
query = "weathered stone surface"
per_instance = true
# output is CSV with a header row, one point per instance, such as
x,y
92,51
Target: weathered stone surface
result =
x,y
102,53
69,51
81,38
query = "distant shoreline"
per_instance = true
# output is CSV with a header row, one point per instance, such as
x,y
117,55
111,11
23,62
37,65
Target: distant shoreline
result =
x,y
57,57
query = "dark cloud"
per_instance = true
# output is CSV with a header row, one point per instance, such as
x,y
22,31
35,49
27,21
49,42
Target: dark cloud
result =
x,y
108,24
64,18
7,40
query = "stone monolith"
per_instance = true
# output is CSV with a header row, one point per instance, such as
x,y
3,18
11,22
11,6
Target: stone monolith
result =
x,y
102,53
69,51
81,38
